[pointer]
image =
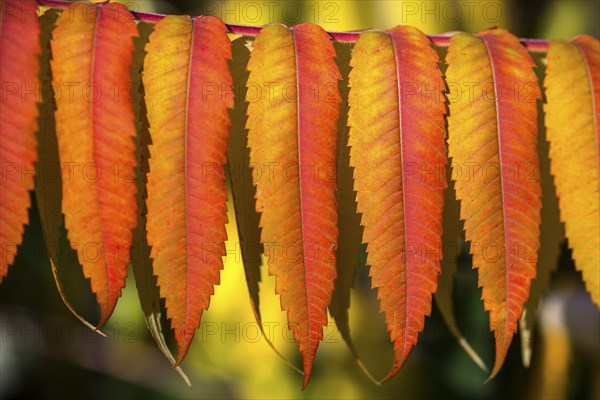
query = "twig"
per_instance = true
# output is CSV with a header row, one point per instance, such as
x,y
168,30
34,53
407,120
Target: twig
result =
x,y
443,40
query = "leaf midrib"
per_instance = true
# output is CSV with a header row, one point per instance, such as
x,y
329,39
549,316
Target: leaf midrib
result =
x,y
298,94
402,186
94,59
185,174
501,177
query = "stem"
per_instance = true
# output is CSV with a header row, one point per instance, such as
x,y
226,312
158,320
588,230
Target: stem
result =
x,y
533,45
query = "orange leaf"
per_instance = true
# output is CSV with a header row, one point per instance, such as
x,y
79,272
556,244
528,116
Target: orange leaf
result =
x,y
243,190
493,144
292,121
19,68
573,120
92,48
397,147
187,84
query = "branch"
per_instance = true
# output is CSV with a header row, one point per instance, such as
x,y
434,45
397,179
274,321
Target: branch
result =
x,y
443,40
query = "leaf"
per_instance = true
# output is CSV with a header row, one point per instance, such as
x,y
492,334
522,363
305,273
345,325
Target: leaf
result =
x,y
397,147
19,68
244,191
493,144
48,185
187,84
292,121
92,52
145,281
573,124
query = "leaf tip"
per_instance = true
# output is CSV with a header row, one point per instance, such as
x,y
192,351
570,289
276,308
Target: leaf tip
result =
x,y
307,366
105,315
183,345
502,345
99,332
366,371
183,376
473,354
399,359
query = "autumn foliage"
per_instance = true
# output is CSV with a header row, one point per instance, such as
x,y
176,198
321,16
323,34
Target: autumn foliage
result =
x,y
410,115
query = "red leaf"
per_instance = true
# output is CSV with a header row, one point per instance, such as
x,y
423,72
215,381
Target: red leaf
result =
x,y
19,68
492,139
398,151
186,80
292,126
92,50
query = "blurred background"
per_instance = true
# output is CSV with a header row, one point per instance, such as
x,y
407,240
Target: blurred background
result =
x,y
46,353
